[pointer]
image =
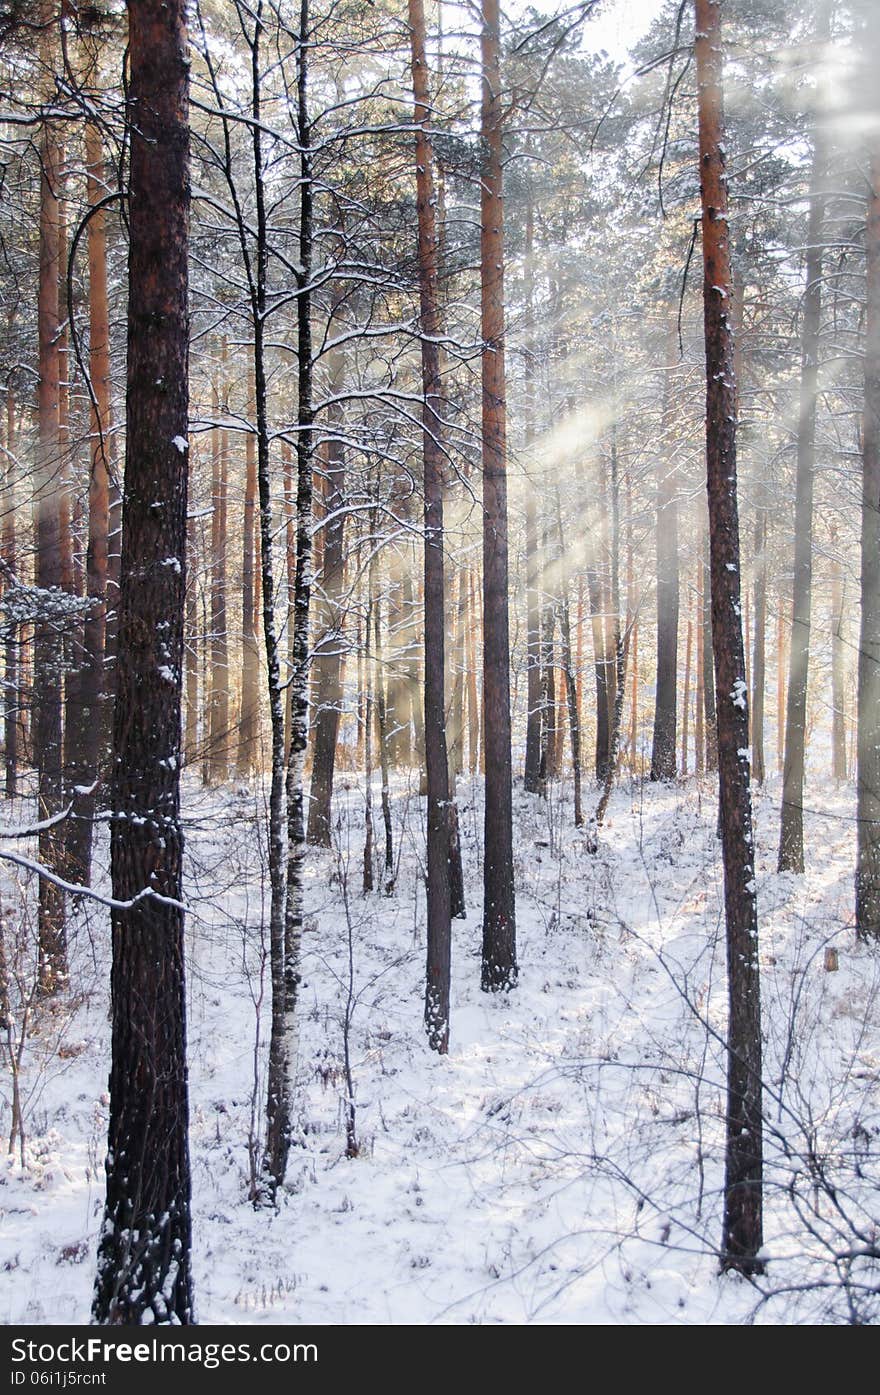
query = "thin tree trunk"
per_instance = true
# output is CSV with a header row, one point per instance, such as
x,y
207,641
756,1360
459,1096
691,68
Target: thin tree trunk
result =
x,y
12,694
618,640
48,647
868,758
574,723
742,1235
759,661
708,672
603,734
367,881
686,702
791,832
439,937
218,730
88,718
780,683
499,967
838,673
699,698
384,745
475,724
329,623
534,723
665,705
191,650
279,1132
246,756
144,1251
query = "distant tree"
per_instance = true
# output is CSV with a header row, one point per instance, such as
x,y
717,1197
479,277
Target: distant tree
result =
x,y
868,771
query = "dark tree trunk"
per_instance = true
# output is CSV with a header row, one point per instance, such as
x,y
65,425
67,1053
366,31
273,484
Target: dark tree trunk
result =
x,y
666,701
249,717
791,832
382,734
499,968
330,617
619,643
603,728
144,1249
742,1229
439,947
532,776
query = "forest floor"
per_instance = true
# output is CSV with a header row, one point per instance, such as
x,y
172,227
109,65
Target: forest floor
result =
x,y
563,1163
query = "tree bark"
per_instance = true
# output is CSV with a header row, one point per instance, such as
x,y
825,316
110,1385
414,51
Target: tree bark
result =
x,y
48,647
742,1235
144,1249
499,966
532,774
439,938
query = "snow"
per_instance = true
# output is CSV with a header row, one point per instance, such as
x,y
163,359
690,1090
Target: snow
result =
x,y
180,443
564,1163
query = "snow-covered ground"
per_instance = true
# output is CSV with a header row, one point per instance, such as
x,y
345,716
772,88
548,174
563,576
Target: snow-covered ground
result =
x,y
563,1163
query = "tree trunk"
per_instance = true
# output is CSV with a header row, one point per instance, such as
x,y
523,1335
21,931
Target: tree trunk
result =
x,y
619,669
218,712
144,1249
791,832
686,702
439,946
48,647
88,716
838,672
532,775
12,695
499,967
382,734
868,757
191,650
248,725
329,623
665,705
759,660
574,721
708,672
742,1230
